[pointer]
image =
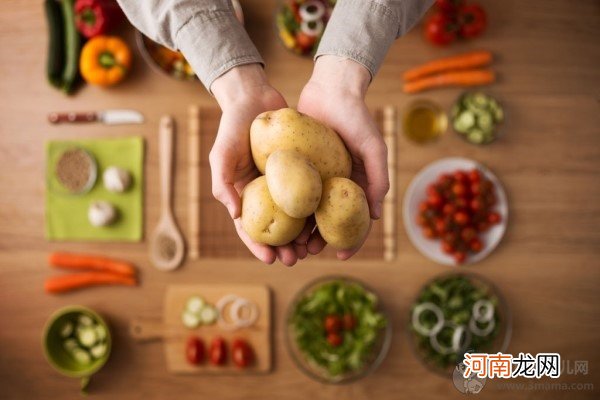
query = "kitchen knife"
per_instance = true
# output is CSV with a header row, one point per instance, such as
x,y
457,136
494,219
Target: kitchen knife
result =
x,y
109,117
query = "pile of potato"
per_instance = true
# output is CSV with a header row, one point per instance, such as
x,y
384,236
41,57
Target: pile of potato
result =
x,y
306,171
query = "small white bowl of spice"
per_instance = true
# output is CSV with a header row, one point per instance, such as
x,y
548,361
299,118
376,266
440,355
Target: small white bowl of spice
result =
x,y
76,171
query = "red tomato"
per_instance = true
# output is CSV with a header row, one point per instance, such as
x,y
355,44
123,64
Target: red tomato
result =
x,y
429,233
468,234
450,237
440,29
476,204
334,339
461,218
475,188
472,20
440,225
194,350
448,209
435,200
475,245
349,322
241,353
304,41
460,257
494,218
333,323
474,175
461,176
459,189
447,248
421,220
460,202
483,226
432,190
218,351
423,206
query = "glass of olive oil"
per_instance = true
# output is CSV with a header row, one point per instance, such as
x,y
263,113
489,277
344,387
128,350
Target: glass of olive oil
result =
x,y
424,121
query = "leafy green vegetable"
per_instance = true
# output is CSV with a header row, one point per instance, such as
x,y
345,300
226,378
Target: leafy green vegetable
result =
x,y
455,296
338,297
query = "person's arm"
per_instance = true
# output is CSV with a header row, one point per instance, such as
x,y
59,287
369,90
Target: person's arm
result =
x,y
353,46
205,31
364,30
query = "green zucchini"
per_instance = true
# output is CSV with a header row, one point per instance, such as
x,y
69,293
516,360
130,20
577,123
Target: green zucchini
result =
x,y
55,62
72,45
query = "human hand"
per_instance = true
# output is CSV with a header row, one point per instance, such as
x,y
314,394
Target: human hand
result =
x,y
243,93
335,95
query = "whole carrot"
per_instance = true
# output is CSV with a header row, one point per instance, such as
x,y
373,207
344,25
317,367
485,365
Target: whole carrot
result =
x,y
66,283
90,262
474,59
460,78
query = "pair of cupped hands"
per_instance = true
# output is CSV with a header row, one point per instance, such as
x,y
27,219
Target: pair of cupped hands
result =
x,y
334,95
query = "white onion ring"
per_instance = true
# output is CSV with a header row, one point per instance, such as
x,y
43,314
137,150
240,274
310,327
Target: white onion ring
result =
x,y
221,304
316,31
416,319
457,336
437,345
237,306
483,311
308,16
482,332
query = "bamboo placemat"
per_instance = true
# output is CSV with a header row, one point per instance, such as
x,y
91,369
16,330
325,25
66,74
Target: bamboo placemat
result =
x,y
218,238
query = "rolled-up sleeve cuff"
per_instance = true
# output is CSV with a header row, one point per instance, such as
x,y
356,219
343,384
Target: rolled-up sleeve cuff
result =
x,y
213,43
362,30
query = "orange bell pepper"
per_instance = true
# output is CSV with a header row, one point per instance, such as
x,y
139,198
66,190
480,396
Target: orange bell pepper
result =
x,y
104,60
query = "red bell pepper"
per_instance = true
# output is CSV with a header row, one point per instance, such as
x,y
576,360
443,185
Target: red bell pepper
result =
x,y
96,17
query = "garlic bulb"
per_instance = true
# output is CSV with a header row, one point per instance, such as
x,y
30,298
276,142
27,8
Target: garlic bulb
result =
x,y
116,179
101,213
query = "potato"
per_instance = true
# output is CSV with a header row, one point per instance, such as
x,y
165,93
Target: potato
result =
x,y
343,214
287,129
294,183
262,220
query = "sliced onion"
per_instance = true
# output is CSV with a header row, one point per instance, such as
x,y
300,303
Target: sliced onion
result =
x,y
318,10
457,336
237,306
437,345
416,319
312,28
482,332
483,311
221,305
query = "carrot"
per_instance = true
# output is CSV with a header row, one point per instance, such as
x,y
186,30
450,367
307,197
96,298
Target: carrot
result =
x,y
472,59
460,78
65,283
89,262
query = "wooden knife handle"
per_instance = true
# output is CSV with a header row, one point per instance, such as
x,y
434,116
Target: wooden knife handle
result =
x,y
56,118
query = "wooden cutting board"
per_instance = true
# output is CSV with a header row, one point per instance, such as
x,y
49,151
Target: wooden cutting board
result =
x,y
175,335
218,238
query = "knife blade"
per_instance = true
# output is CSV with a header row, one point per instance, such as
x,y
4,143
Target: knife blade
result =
x,y
108,117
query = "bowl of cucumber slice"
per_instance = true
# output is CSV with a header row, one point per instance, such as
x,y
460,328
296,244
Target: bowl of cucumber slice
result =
x,y
77,342
476,117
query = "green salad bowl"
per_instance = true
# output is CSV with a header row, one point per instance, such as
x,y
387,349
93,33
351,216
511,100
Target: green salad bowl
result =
x,y
57,354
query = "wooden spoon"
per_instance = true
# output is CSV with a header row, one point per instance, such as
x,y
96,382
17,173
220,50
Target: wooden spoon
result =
x,y
166,246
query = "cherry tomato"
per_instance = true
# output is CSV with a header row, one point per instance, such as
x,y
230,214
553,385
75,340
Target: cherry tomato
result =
x,y
476,204
349,322
474,175
429,233
461,176
423,206
334,339
440,225
460,257
450,237
494,218
421,220
241,353
435,200
467,234
333,323
194,350
491,198
448,209
460,202
432,189
304,41
475,188
440,29
472,20
475,245
459,189
218,351
483,226
461,218
447,248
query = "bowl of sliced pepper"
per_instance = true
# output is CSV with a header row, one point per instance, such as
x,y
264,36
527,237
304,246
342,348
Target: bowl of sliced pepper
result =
x,y
300,24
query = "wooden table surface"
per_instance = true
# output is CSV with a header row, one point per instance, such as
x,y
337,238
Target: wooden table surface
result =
x,y
547,265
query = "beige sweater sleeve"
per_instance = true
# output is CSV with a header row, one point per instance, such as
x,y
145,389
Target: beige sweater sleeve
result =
x,y
205,31
364,30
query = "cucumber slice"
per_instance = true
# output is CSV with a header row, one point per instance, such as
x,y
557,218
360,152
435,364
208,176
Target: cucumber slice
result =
x,y
100,332
208,315
190,320
456,109
464,121
476,136
498,114
98,350
70,345
194,304
85,320
485,122
87,336
479,101
66,330
81,356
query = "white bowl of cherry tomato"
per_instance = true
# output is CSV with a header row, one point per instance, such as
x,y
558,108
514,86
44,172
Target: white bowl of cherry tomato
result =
x,y
455,211
301,23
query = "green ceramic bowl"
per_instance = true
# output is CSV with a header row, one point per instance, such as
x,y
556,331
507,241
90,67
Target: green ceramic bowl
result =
x,y
54,349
